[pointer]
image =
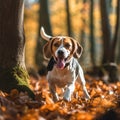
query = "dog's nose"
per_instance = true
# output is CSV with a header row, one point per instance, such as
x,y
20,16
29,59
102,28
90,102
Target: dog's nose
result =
x,y
60,52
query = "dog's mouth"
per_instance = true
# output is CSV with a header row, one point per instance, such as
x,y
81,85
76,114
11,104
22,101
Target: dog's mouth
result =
x,y
60,62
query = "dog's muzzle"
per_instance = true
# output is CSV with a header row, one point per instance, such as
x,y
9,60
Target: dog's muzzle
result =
x,y
61,58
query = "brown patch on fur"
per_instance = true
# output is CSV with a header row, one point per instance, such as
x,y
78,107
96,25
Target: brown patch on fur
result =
x,y
77,48
69,43
47,49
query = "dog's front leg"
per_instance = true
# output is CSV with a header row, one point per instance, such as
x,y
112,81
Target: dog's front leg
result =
x,y
81,77
69,91
53,92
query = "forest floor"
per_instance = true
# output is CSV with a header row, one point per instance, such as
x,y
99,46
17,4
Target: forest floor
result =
x,y
103,105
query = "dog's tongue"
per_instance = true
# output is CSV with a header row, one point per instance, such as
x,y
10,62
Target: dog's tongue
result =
x,y
61,63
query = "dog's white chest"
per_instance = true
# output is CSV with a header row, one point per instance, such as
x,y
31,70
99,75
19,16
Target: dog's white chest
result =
x,y
61,78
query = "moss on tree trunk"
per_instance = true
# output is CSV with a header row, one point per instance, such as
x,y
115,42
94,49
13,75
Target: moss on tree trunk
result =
x,y
13,74
15,78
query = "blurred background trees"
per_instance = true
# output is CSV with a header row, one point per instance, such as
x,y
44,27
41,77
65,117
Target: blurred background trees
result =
x,y
109,40
44,20
94,23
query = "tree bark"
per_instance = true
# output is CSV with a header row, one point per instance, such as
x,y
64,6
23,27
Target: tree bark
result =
x,y
114,42
92,42
44,21
109,45
106,31
13,73
44,16
11,34
68,19
118,47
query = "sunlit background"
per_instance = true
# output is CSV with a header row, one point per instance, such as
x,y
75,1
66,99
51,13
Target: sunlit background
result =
x,y
80,28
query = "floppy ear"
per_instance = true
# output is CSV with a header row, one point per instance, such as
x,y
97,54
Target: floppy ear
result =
x,y
47,50
78,50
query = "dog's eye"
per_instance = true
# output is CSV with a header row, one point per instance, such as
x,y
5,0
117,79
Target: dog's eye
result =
x,y
67,45
56,44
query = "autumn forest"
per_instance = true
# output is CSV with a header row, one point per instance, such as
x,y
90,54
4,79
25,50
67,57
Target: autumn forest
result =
x,y
24,89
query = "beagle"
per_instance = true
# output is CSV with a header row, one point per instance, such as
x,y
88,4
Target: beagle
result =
x,y
63,67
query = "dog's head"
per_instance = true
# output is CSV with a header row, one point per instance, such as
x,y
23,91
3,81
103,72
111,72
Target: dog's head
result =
x,y
62,48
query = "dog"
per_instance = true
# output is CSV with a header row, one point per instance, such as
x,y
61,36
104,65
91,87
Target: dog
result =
x,y
63,67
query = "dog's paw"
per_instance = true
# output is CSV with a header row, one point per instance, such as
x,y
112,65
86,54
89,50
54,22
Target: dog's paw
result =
x,y
87,97
68,99
55,99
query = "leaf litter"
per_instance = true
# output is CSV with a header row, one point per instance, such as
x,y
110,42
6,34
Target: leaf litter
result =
x,y
105,100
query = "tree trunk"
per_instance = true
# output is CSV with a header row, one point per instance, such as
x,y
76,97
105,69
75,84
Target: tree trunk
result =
x,y
114,42
44,16
45,22
68,19
13,73
106,31
118,47
112,67
109,45
92,42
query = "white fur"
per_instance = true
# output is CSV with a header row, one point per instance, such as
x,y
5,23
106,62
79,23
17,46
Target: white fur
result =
x,y
66,52
66,79
44,35
62,48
